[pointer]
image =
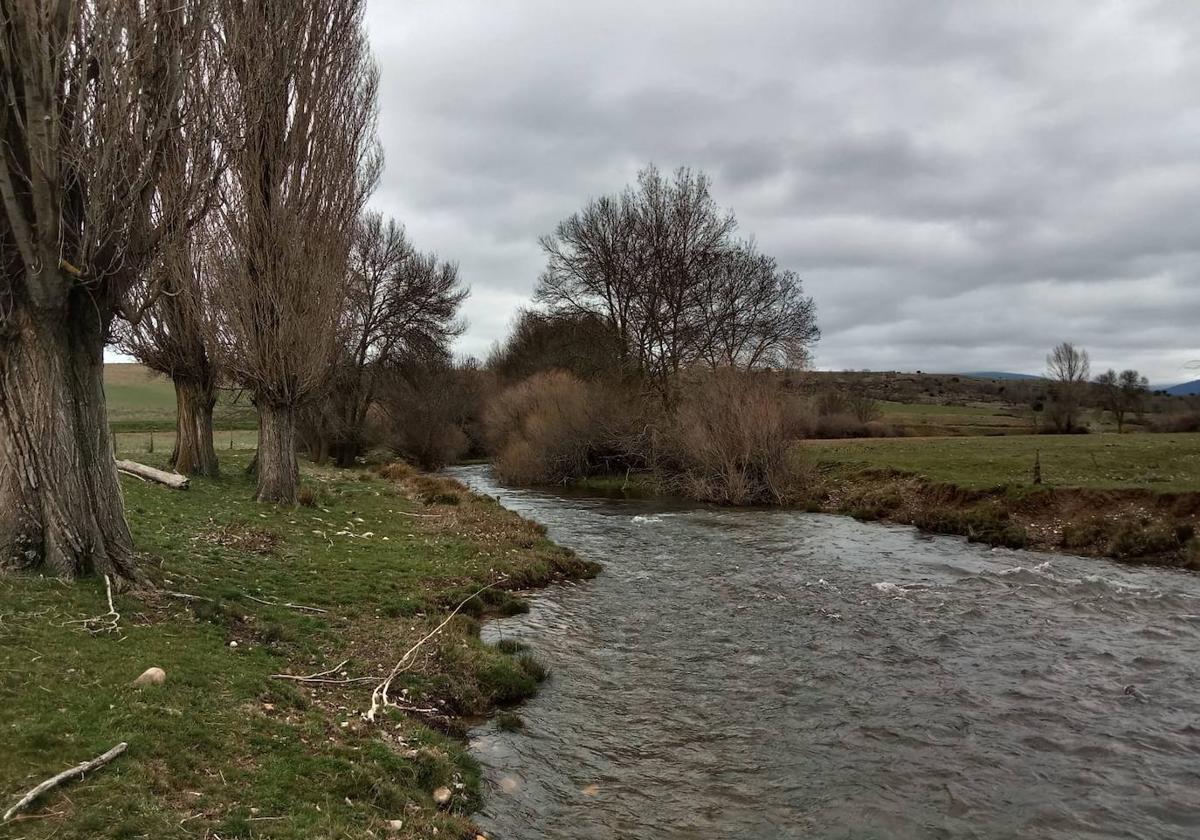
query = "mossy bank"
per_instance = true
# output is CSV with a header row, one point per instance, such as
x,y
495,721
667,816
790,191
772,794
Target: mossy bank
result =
x,y
1130,525
237,592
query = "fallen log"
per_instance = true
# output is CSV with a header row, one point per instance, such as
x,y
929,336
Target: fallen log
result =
x,y
173,480
54,781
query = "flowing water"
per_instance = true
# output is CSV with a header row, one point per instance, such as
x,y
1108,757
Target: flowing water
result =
x,y
775,674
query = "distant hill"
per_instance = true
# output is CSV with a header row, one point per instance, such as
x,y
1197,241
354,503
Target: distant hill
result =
x,y
1186,389
998,374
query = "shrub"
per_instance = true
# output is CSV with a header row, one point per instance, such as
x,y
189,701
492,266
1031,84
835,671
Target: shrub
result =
x,y
729,441
1184,422
555,428
541,429
509,722
1135,539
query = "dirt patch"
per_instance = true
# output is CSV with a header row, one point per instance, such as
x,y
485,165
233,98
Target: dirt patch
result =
x,y
253,539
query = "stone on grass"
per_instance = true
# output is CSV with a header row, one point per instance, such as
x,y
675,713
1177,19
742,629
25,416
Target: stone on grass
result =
x,y
151,676
442,795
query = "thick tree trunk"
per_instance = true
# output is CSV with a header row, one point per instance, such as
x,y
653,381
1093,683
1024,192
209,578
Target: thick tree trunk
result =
x,y
194,450
60,500
345,452
278,467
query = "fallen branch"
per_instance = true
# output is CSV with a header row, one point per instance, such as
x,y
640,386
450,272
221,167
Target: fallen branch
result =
x,y
54,781
173,480
290,606
379,697
107,623
322,677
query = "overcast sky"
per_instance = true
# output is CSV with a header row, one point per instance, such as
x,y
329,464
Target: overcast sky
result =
x,y
960,185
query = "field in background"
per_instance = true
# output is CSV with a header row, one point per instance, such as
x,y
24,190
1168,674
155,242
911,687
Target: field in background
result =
x,y
923,419
1164,462
140,400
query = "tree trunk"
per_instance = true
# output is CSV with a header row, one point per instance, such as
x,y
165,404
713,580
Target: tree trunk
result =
x,y
60,500
194,450
278,467
345,451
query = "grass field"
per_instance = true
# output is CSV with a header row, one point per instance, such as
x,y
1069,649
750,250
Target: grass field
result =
x,y
140,400
222,749
1154,462
972,419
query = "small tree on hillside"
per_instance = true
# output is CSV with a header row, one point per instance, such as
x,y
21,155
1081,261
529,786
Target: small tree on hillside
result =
x,y
305,93
1068,369
1122,393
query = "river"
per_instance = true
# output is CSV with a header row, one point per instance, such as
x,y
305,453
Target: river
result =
x,y
776,674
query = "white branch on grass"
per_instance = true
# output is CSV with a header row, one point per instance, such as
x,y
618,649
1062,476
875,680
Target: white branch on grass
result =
x,y
107,623
322,677
54,781
379,697
290,606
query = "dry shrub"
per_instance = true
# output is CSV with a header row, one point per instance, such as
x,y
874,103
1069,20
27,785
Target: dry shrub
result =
x,y
541,430
834,414
731,441
397,471
428,411
554,428
1182,422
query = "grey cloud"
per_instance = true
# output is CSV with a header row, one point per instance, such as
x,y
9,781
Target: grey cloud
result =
x,y
960,184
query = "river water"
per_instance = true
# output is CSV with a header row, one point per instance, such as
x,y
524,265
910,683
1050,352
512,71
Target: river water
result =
x,y
775,674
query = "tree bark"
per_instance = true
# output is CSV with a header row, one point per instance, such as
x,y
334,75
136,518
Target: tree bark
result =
x,y
194,450
60,500
345,451
278,466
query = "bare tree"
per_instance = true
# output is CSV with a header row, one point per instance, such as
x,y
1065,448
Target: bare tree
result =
x,y
1122,393
95,95
753,314
659,265
174,336
401,305
305,93
1068,369
168,324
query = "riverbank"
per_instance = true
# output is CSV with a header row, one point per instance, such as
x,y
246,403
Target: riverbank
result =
x,y
1134,498
241,592
1135,526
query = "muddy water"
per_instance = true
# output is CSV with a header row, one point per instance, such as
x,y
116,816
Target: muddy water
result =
x,y
771,674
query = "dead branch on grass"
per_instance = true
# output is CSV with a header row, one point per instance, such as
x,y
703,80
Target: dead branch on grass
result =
x,y
290,606
54,781
322,677
379,697
107,623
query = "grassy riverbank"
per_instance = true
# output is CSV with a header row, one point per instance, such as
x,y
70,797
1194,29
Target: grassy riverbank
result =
x,y
1130,497
222,749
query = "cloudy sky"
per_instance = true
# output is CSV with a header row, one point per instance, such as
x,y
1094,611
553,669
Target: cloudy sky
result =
x,y
960,185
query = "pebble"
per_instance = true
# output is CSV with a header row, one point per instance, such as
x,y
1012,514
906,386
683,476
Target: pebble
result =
x,y
442,795
151,676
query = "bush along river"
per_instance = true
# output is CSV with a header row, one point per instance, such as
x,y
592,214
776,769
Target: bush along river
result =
x,y
776,674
